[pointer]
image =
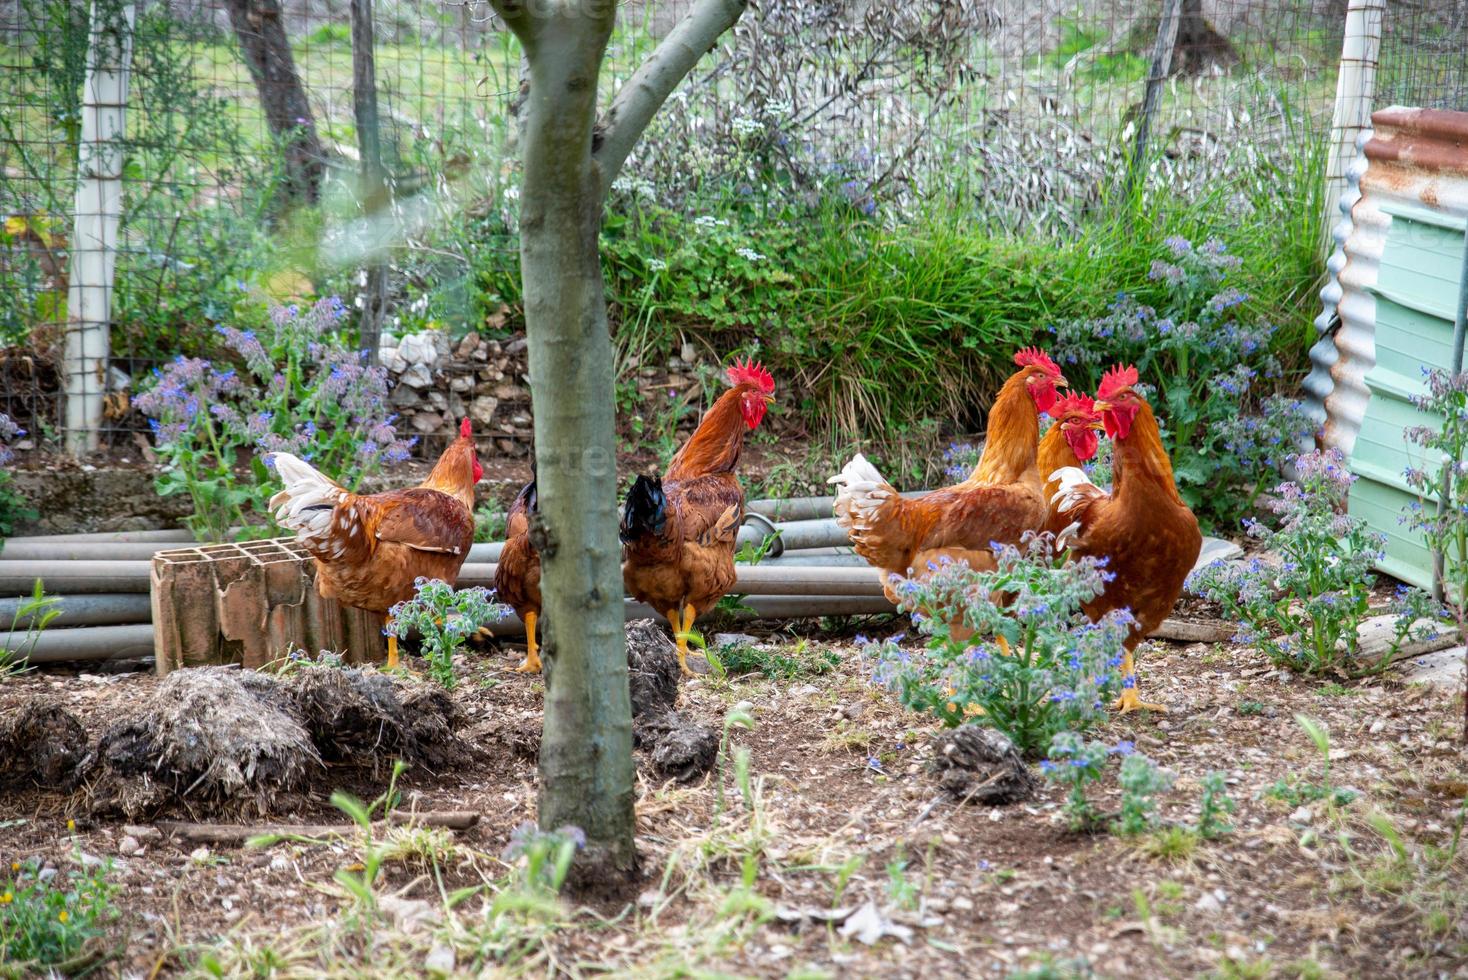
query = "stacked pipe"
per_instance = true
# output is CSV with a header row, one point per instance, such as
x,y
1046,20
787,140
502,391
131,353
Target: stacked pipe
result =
x,y
102,580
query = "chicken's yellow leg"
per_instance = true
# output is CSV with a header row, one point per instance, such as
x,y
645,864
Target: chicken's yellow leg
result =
x,y
532,649
1129,702
392,645
680,636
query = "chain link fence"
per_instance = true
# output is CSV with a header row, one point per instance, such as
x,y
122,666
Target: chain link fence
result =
x,y
250,156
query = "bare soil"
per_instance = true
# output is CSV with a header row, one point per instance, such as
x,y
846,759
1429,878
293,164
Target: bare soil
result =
x,y
1297,889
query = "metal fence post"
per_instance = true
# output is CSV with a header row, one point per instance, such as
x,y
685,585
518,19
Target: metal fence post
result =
x,y
1355,92
97,216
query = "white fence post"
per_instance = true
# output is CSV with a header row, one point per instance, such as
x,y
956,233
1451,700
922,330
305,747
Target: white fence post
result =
x,y
1355,92
95,225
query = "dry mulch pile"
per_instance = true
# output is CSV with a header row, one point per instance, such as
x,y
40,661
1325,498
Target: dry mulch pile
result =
x,y
845,778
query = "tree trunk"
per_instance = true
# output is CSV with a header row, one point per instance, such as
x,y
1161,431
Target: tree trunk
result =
x,y
586,766
1199,47
374,190
267,53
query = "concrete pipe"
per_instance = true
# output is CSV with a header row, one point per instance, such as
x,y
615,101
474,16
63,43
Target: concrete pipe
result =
x,y
75,577
761,580
804,508
163,538
93,643
85,550
84,610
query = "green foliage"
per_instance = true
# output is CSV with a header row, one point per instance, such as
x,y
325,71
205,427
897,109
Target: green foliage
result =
x,y
490,522
12,505
1442,516
294,387
1140,781
543,858
1296,790
902,893
36,612
1215,807
1061,668
46,923
1076,763
1317,596
779,663
1212,363
444,618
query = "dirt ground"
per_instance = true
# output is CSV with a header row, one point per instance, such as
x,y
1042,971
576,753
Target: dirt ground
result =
x,y
846,812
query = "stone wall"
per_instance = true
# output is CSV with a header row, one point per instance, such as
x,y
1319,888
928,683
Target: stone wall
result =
x,y
436,383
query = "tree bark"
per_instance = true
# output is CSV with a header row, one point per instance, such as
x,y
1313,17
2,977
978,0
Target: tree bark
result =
x,y
1199,47
267,53
374,190
586,765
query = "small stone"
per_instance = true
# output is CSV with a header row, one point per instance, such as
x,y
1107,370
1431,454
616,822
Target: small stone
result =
x,y
462,383
440,959
689,353
649,898
481,409
961,904
805,691
426,422
417,376
129,846
854,710
1378,726
199,855
280,863
1208,903
438,401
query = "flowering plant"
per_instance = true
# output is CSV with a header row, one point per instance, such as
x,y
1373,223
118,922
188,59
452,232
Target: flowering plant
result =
x,y
1445,527
1305,611
444,618
1209,361
1061,670
294,387
12,506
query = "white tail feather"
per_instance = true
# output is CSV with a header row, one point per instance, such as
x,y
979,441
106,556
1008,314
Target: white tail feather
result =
x,y
309,497
860,493
1073,482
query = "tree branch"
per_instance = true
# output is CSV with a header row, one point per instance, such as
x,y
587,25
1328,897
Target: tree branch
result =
x,y
650,86
518,17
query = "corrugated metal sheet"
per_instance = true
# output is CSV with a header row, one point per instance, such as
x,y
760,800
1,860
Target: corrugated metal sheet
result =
x,y
1397,291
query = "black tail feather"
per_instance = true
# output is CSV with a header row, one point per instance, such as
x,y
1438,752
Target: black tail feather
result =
x,y
528,498
646,511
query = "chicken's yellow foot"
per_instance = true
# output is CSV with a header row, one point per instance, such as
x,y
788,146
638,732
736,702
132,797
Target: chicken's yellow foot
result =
x,y
392,645
680,636
1129,701
531,664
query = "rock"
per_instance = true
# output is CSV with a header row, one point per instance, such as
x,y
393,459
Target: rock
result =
x,y
129,846
1443,669
805,691
520,419
688,353
481,409
421,348
463,383
390,359
516,346
437,400
427,422
417,376
404,397
981,765
468,344
507,392
854,710
1216,549
734,640
440,959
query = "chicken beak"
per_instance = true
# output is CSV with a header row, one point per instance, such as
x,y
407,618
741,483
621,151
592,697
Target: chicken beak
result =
x,y
1060,382
769,399
1096,426
1101,406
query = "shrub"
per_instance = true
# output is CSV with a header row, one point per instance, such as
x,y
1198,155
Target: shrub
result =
x,y
1140,780
1062,669
444,618
1212,364
12,505
1076,763
1215,807
1304,612
294,387
44,923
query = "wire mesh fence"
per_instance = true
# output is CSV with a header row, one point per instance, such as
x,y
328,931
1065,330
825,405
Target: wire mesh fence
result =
x,y
250,164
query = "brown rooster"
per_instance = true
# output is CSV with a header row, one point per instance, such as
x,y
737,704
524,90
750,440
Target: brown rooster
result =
x,y
1142,527
517,575
370,548
999,502
678,532
1071,441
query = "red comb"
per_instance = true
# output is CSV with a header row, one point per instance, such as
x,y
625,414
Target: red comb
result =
x,y
1037,357
751,372
1075,403
1113,381
465,430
